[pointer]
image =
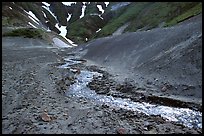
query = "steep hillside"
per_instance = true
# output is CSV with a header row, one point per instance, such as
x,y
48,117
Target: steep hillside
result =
x,y
161,56
84,21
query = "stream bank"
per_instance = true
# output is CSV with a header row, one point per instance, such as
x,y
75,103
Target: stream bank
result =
x,y
95,85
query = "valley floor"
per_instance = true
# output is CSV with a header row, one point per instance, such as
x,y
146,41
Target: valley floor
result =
x,y
33,98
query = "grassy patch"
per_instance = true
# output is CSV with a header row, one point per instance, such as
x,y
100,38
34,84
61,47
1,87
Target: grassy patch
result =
x,y
154,14
26,32
5,21
78,31
8,21
131,12
141,15
84,28
191,12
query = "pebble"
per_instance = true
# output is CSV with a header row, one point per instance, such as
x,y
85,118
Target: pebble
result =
x,y
120,131
65,114
164,88
146,123
45,117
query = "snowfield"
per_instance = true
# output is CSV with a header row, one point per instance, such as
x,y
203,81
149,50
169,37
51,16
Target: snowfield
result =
x,y
60,43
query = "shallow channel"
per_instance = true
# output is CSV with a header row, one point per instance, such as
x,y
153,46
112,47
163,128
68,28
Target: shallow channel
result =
x,y
185,116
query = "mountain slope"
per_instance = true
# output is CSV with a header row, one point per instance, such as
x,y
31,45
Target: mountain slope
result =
x,y
84,21
161,56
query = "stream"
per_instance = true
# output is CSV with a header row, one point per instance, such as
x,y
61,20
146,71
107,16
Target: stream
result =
x,y
79,89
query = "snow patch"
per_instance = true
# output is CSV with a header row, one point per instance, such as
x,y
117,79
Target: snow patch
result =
x,y
33,20
83,11
98,30
32,24
62,29
95,14
60,43
48,30
69,17
48,9
44,14
100,8
31,17
107,3
68,3
63,33
72,43
46,4
100,17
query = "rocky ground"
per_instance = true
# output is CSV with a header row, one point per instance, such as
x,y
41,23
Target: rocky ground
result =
x,y
33,98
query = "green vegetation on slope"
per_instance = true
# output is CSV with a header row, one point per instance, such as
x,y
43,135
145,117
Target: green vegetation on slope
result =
x,y
91,9
84,28
191,12
148,15
158,13
87,26
131,12
139,15
26,32
7,21
33,7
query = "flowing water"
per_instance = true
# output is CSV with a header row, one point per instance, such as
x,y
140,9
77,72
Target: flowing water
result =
x,y
185,116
